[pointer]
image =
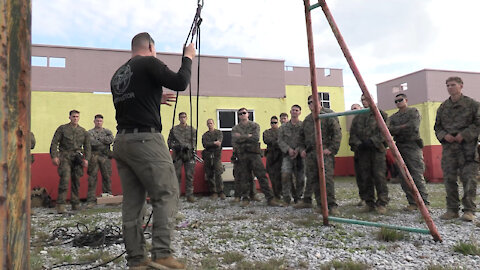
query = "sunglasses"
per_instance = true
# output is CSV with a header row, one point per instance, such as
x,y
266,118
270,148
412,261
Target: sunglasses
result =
x,y
398,100
310,102
273,123
242,113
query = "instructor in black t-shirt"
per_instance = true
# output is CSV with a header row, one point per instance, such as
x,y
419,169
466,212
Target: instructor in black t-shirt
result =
x,y
143,159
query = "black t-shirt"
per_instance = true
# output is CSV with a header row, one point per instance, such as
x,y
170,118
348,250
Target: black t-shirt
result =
x,y
137,90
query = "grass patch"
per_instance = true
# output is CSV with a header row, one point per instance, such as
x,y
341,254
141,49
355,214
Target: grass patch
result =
x,y
309,221
209,263
389,235
344,265
241,217
60,256
440,267
467,248
272,264
232,257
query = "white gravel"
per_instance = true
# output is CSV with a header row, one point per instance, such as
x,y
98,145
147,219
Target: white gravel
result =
x,y
222,235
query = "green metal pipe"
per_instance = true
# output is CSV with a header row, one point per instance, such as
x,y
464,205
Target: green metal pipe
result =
x,y
314,6
328,115
375,224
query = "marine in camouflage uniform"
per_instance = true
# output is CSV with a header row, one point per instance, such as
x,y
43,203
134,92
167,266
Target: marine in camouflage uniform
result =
x,y
404,126
212,159
457,127
70,150
100,140
331,138
367,142
274,157
292,163
180,141
246,145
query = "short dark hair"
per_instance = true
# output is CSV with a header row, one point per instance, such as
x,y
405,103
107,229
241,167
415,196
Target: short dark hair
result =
x,y
73,111
401,95
142,40
98,116
180,114
242,109
454,79
283,114
274,117
298,106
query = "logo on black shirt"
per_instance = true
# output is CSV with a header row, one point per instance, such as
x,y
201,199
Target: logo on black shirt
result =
x,y
121,79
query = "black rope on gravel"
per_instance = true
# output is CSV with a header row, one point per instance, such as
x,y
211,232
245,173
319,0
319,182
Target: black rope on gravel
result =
x,y
108,236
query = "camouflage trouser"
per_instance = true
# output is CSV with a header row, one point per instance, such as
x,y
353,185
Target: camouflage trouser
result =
x,y
189,167
273,169
212,164
144,165
237,184
313,182
103,162
291,167
459,160
373,167
362,193
246,164
412,154
67,170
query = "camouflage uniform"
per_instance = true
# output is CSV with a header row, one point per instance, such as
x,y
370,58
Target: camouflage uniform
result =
x,y
459,159
212,160
247,150
274,160
410,146
367,142
100,140
288,138
67,144
180,141
331,138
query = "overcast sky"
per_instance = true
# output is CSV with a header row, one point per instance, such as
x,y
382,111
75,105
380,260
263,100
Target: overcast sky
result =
x,y
387,38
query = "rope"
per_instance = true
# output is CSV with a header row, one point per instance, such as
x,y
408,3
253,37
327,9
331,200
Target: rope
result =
x,y
193,33
97,238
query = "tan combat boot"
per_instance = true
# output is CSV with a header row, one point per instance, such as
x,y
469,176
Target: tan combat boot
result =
x,y
141,266
449,215
382,210
61,208
468,216
410,208
166,263
190,199
302,204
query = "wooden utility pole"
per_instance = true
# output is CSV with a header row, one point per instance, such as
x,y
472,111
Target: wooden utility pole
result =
x,y
15,71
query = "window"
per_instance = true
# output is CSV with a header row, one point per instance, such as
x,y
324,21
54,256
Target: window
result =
x,y
226,120
39,61
404,86
326,72
325,100
56,62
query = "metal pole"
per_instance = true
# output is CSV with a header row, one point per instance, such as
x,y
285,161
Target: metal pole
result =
x,y
328,115
15,55
381,225
316,111
381,123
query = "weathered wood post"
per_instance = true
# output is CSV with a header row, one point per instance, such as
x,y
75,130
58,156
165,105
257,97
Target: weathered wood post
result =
x,y
15,71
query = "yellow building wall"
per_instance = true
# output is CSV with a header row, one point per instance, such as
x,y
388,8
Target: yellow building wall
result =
x,y
50,110
428,111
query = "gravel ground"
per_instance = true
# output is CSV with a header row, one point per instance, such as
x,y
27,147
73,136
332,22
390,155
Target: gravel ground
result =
x,y
222,235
